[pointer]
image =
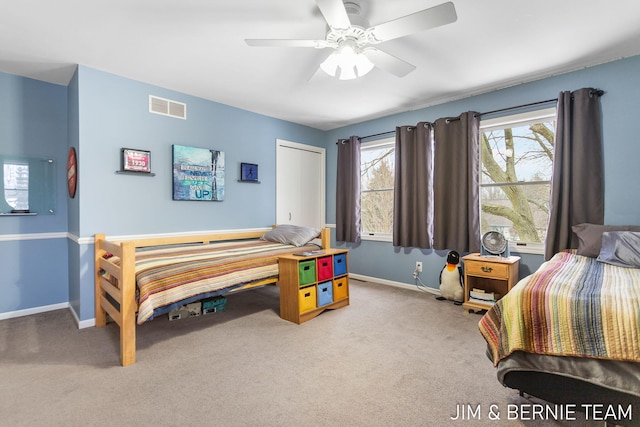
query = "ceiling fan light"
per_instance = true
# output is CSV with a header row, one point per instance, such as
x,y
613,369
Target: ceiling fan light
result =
x,y
348,73
331,64
348,52
347,63
357,66
363,64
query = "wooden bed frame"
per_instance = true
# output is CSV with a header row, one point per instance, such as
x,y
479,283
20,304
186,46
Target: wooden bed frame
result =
x,y
125,293
572,380
563,390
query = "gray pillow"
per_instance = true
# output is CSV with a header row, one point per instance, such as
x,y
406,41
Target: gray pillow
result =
x,y
590,236
291,235
621,248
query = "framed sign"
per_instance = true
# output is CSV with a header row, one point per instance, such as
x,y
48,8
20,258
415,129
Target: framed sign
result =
x,y
198,173
135,160
72,172
248,172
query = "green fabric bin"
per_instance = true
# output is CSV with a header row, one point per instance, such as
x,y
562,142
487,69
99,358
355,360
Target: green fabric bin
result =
x,y
306,272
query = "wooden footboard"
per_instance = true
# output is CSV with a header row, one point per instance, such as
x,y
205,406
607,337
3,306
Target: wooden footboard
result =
x,y
123,309
118,299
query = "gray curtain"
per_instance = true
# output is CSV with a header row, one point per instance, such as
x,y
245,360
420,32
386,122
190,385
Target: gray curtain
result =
x,y
456,183
577,186
413,200
348,191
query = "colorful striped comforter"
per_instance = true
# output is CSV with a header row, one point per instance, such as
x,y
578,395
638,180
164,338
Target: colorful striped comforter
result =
x,y
572,306
168,277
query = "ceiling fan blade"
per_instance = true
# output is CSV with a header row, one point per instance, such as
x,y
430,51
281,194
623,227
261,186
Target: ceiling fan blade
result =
x,y
334,13
318,44
429,18
388,62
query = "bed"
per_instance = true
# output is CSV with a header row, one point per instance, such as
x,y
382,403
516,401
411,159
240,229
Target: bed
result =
x,y
570,332
138,280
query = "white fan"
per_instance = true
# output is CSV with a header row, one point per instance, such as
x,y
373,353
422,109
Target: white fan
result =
x,y
494,243
350,32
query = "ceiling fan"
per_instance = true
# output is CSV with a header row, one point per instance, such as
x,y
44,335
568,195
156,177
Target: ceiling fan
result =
x,y
352,39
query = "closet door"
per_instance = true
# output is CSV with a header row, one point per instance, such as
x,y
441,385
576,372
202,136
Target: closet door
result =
x,y
300,191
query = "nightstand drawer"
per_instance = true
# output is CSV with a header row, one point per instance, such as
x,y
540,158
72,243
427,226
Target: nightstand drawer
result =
x,y
488,269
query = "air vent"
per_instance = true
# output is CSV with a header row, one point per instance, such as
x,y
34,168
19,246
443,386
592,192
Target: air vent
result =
x,y
167,107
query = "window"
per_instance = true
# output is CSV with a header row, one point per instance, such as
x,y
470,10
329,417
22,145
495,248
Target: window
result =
x,y
515,185
377,165
16,184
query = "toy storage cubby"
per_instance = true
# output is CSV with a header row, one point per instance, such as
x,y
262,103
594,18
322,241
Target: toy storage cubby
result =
x,y
312,284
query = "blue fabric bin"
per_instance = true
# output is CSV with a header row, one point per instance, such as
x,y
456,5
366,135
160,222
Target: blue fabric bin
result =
x,y
339,264
325,293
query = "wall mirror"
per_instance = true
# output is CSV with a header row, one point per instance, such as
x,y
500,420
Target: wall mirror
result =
x,y
28,185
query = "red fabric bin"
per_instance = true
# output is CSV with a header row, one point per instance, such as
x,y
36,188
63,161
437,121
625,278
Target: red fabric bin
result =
x,y
325,268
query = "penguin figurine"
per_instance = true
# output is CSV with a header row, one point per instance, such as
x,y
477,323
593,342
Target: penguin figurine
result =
x,y
451,279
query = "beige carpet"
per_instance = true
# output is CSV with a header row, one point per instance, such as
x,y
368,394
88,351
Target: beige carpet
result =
x,y
394,357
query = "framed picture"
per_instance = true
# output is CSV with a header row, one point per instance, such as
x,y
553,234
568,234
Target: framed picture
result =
x,y
249,172
72,172
135,160
198,173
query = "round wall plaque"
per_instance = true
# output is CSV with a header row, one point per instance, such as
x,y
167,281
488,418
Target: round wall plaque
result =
x,y
72,172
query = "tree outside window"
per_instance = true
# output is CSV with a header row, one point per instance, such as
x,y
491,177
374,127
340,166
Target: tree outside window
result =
x,y
377,164
517,164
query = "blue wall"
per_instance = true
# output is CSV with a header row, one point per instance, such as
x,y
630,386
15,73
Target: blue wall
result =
x,y
33,249
73,208
99,113
620,107
114,113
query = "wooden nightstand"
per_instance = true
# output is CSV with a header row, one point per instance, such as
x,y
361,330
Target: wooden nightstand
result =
x,y
491,274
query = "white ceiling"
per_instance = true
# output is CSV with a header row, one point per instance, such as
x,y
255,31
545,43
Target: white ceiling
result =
x,y
197,47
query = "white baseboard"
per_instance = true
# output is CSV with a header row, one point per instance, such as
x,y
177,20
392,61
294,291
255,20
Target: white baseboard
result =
x,y
34,310
411,287
82,323
43,309
90,323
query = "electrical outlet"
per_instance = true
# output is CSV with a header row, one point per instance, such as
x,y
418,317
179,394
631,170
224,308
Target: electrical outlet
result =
x,y
419,266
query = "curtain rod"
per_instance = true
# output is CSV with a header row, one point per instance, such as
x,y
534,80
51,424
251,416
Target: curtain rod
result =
x,y
597,92
368,136
520,106
516,107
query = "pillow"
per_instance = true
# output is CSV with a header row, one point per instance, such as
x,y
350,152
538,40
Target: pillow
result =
x,y
590,236
621,248
291,235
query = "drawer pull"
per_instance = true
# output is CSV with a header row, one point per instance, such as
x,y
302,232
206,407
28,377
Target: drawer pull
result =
x,y
486,269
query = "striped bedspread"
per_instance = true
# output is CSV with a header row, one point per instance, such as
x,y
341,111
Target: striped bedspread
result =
x,y
171,276
572,306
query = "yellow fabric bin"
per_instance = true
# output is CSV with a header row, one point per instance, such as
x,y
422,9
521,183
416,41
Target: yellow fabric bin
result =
x,y
340,288
307,298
